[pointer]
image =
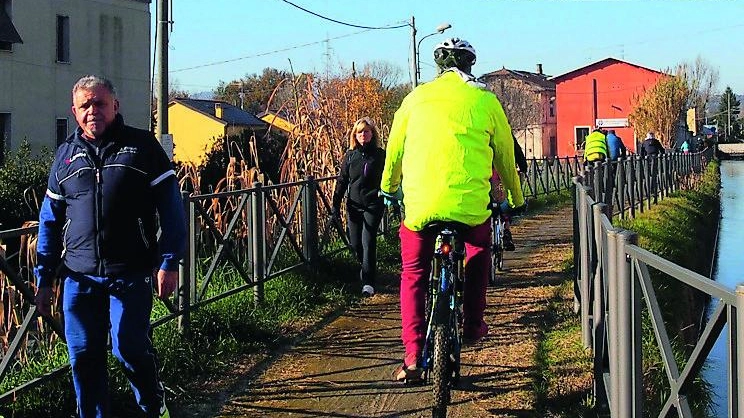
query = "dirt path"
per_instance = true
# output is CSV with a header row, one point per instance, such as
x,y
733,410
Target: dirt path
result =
x,y
345,369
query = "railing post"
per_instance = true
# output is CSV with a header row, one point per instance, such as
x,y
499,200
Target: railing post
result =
x,y
632,185
194,230
613,334
620,186
248,217
310,220
628,359
643,185
736,394
585,266
534,177
598,302
576,245
184,269
258,242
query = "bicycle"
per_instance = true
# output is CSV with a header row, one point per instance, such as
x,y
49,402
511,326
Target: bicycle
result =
x,y
443,343
498,227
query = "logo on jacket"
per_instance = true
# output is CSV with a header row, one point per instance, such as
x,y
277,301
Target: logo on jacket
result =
x,y
74,157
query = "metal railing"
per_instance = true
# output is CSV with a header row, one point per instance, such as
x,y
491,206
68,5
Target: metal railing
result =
x,y
613,280
252,235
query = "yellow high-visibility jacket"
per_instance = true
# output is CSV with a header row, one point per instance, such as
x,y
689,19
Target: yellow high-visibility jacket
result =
x,y
446,139
596,147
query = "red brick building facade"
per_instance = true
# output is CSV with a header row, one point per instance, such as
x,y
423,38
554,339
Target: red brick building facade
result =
x,y
599,95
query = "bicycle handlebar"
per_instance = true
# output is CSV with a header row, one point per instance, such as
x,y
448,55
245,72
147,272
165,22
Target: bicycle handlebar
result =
x,y
503,208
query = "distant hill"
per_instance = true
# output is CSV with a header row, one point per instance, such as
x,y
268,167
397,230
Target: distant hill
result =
x,y
203,95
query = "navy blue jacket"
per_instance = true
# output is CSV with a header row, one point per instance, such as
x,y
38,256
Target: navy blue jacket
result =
x,y
99,213
651,147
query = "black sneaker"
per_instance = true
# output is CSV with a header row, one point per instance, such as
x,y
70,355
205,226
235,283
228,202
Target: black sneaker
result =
x,y
508,243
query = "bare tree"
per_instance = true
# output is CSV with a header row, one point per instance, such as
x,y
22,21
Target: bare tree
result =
x,y
702,80
388,74
520,102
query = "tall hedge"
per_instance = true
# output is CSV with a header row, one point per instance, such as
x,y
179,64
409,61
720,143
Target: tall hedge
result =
x,y
23,179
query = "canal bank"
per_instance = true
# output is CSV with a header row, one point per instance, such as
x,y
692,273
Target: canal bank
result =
x,y
728,272
682,229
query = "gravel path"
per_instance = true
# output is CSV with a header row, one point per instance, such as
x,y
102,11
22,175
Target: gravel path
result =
x,y
345,368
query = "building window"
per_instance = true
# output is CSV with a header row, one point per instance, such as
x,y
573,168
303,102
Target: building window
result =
x,y
551,108
8,33
61,130
553,146
4,135
581,132
63,38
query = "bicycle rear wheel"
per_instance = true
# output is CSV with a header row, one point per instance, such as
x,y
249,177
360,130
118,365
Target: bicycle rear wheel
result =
x,y
499,256
441,372
497,250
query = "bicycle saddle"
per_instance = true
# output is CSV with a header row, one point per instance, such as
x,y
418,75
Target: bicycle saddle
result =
x,y
439,226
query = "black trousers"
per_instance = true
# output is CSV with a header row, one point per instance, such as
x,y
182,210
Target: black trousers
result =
x,y
363,226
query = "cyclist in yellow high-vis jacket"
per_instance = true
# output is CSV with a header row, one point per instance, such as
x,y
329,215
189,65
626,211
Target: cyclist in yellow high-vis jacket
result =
x,y
446,139
595,148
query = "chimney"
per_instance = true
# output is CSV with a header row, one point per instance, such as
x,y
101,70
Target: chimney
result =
x,y
218,110
539,69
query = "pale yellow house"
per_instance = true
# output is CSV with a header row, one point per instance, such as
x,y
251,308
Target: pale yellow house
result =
x,y
46,45
197,124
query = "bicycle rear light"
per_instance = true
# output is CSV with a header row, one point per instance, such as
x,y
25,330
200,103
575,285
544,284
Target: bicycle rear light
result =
x,y
445,249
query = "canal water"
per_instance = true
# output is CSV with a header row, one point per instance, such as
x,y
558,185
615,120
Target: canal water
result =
x,y
728,271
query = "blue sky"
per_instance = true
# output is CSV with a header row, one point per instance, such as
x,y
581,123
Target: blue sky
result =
x,y
562,35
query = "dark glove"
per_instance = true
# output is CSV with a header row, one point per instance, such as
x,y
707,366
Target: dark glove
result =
x,y
392,199
519,210
506,210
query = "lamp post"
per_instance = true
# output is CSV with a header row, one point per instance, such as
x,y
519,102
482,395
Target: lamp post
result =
x,y
440,29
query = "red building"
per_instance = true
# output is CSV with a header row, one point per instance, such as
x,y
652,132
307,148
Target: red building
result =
x,y
599,95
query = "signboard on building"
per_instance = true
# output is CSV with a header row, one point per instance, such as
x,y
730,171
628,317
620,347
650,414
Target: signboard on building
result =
x,y
611,123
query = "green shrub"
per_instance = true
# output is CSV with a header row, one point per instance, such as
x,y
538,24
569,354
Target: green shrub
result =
x,y
23,181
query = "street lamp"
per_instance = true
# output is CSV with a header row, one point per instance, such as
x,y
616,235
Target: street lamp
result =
x,y
440,29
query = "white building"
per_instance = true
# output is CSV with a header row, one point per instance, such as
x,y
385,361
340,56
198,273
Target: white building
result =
x,y
46,45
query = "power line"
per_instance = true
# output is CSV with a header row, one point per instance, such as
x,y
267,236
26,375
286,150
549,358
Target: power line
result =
x,y
344,23
266,53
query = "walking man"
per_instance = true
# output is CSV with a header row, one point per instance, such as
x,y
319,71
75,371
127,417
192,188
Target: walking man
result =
x,y
651,148
98,224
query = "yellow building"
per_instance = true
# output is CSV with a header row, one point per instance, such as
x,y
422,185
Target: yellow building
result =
x,y
197,124
277,121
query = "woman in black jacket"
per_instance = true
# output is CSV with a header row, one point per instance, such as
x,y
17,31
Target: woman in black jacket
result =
x,y
359,180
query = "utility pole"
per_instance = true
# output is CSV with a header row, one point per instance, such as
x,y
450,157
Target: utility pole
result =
x,y
162,65
414,73
728,106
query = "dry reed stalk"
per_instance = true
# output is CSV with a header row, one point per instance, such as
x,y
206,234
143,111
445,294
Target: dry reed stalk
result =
x,y
40,338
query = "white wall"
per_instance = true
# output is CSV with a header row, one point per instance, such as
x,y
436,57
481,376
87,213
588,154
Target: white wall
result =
x,y
110,38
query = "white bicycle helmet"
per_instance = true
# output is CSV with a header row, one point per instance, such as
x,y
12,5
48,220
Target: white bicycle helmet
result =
x,y
454,52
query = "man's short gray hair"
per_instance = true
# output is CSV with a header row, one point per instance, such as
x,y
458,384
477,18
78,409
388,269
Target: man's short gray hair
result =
x,y
89,82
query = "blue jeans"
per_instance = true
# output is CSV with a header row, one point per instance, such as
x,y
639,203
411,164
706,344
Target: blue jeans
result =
x,y
93,308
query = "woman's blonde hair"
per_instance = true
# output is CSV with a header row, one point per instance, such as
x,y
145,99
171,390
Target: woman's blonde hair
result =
x,y
359,125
